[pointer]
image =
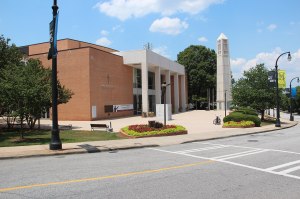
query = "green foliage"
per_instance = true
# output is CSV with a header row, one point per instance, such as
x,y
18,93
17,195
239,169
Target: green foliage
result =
x,y
238,117
243,124
200,65
248,111
253,90
9,54
26,90
155,132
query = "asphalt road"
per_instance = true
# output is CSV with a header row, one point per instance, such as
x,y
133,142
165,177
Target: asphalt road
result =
x,y
255,166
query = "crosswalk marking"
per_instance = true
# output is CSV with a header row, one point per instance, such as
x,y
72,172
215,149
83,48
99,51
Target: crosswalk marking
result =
x,y
235,154
290,170
201,149
241,155
287,169
283,165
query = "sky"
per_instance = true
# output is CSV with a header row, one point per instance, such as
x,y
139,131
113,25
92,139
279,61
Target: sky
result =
x,y
258,30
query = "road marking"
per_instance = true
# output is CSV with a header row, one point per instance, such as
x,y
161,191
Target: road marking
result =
x,y
105,177
245,147
242,155
290,170
232,163
283,165
201,149
235,154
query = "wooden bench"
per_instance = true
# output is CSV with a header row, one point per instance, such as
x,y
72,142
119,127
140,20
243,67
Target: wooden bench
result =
x,y
93,126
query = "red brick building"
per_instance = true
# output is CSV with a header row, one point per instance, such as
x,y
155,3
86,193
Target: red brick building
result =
x,y
100,76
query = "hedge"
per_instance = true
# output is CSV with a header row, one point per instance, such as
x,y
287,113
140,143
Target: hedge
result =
x,y
239,116
247,111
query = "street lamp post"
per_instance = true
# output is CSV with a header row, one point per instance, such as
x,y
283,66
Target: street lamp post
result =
x,y
225,105
291,105
164,88
277,124
55,143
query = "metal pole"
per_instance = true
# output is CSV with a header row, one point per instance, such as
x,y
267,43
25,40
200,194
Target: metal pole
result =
x,y
291,101
278,124
165,106
225,103
55,143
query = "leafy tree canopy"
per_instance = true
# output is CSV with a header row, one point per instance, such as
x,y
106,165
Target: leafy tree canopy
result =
x,y
253,90
200,65
9,54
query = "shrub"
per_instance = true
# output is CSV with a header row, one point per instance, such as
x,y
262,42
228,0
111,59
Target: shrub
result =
x,y
238,116
243,124
145,130
247,111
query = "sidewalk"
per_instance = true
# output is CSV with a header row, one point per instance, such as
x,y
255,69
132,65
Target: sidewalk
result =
x,y
198,123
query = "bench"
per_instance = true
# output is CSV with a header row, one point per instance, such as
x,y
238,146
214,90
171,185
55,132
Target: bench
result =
x,y
93,126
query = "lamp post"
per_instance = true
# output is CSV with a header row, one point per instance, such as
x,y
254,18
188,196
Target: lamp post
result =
x,y
291,106
164,88
55,143
225,105
277,124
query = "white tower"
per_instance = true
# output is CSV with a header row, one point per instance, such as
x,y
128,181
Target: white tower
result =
x,y
223,73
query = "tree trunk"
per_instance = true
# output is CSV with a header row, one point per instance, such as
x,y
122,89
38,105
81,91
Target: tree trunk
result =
x,y
262,112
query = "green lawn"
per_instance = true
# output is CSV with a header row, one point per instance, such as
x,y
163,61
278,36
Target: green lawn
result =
x,y
37,137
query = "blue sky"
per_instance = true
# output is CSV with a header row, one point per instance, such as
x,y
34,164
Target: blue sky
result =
x,y
258,30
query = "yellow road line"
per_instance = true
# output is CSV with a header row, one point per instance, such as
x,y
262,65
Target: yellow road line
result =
x,y
105,177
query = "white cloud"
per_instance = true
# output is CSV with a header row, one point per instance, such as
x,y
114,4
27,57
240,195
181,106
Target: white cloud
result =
x,y
104,32
118,28
126,9
292,69
203,39
272,27
170,26
162,50
103,41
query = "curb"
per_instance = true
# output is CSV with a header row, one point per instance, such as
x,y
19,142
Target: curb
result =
x,y
79,151
96,149
228,136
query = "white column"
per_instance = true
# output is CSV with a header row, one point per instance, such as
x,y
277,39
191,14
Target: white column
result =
x,y
144,72
168,91
183,94
176,93
157,86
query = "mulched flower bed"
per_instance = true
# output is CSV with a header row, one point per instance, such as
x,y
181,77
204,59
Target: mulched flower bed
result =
x,y
142,129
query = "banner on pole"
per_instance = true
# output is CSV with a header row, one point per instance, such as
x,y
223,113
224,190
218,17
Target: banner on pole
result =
x,y
281,79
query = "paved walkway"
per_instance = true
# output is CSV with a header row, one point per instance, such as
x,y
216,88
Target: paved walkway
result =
x,y
198,123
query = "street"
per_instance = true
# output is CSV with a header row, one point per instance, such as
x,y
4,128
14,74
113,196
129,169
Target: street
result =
x,y
256,166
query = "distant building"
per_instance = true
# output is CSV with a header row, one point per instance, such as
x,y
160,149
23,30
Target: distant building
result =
x,y
108,83
223,73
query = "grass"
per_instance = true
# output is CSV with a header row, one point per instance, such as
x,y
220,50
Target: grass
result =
x,y
10,138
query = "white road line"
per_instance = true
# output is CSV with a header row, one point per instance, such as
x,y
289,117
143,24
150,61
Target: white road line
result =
x,y
290,170
282,165
234,154
201,149
232,163
237,156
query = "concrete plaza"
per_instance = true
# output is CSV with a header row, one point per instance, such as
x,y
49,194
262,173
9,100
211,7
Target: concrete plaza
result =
x,y
198,123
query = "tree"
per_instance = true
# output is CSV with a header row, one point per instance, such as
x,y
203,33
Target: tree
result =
x,y
25,91
254,90
9,54
200,66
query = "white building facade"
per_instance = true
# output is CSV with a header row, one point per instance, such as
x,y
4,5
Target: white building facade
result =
x,y
150,71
